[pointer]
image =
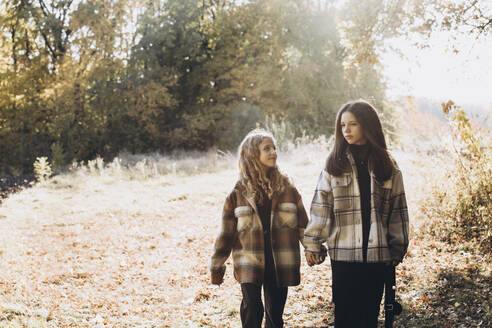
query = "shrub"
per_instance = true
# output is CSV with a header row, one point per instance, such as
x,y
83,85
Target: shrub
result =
x,y
461,205
57,156
42,168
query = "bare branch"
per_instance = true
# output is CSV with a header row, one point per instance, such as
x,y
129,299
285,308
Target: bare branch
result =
x,y
470,6
44,8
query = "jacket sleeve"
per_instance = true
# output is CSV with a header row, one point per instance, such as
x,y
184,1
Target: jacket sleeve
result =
x,y
398,219
302,218
317,229
225,240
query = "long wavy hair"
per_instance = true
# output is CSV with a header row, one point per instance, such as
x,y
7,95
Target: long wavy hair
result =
x,y
379,160
251,175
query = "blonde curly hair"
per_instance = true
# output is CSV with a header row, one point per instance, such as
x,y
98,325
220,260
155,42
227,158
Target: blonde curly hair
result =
x,y
252,177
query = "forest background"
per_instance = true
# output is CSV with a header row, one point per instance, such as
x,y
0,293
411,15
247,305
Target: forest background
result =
x,y
81,79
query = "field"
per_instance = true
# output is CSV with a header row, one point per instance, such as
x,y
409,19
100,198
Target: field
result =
x,y
106,245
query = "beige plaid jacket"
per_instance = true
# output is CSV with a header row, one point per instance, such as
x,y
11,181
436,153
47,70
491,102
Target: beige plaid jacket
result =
x,y
241,232
336,218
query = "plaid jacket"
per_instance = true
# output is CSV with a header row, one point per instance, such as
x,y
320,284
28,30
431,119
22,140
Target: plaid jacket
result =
x,y
336,218
241,231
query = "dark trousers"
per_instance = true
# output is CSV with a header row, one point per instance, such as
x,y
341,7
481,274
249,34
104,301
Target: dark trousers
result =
x,y
252,307
357,292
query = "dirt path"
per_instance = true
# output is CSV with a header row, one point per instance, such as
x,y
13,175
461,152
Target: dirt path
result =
x,y
95,251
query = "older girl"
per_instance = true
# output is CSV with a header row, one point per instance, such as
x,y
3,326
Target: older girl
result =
x,y
262,222
359,209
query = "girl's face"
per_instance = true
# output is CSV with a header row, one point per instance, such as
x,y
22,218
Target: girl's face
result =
x,y
351,129
268,153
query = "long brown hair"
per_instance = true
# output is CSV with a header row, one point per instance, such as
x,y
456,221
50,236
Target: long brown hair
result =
x,y
379,160
251,176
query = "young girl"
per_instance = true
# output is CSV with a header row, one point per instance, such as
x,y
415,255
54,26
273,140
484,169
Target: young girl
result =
x,y
359,209
263,221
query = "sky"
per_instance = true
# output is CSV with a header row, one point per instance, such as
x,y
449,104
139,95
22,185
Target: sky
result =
x,y
439,74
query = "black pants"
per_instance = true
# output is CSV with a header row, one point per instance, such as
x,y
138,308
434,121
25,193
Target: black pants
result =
x,y
357,292
252,308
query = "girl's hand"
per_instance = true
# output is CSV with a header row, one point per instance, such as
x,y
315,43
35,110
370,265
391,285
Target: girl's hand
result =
x,y
217,280
309,258
314,258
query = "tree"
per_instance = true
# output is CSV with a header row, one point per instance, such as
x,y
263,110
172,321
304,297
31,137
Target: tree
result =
x,y
78,81
466,16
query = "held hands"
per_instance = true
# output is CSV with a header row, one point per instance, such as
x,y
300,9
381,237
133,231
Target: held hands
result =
x,y
314,258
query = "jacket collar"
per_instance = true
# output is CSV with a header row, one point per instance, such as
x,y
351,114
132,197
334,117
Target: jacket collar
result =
x,y
252,202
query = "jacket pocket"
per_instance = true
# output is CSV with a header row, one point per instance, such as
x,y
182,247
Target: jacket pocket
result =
x,y
340,181
287,215
342,198
244,215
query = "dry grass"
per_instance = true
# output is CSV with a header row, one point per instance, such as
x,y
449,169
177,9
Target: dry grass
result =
x,y
115,245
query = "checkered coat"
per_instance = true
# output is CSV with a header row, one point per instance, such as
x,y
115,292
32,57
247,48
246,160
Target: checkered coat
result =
x,y
336,218
241,232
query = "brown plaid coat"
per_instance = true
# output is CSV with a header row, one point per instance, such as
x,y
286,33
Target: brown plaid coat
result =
x,y
241,231
336,218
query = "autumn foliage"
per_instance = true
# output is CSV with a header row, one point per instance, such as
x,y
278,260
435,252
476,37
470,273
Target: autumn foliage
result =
x,y
461,204
87,78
